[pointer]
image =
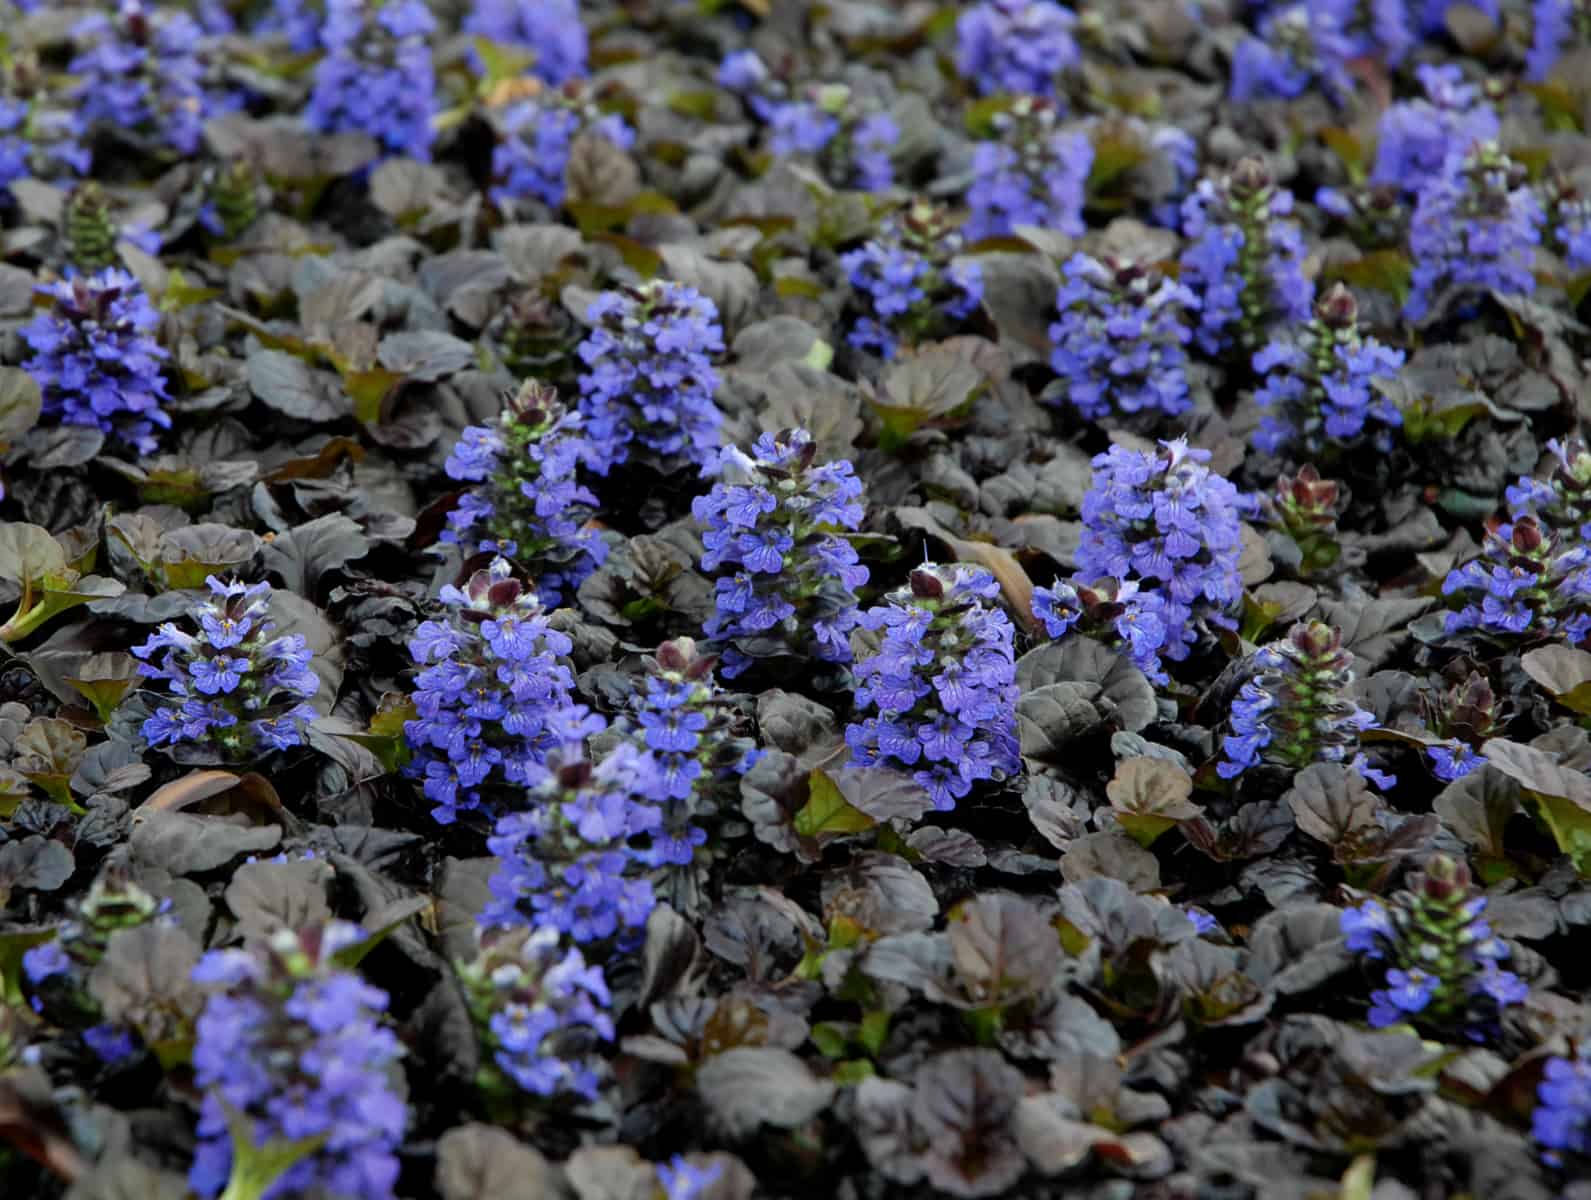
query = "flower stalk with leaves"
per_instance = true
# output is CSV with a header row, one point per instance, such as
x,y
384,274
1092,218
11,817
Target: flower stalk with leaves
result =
x,y
529,505
1295,709
1442,956
775,535
232,688
941,686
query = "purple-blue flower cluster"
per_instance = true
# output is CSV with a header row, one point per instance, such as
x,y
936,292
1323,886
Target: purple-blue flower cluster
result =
x,y
1162,520
96,360
550,29
941,686
1123,615
234,687
1465,715
1561,1122
1569,224
294,1047
907,284
40,137
849,136
649,379
530,505
787,575
1320,382
1244,258
1033,174
1441,955
1528,584
141,72
1295,708
1118,345
1298,46
570,860
1019,46
1477,224
1556,25
377,76
491,697
1563,499
535,135
683,719
540,1011
1416,137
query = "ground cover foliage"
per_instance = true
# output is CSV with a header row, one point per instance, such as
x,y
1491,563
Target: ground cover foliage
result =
x,y
675,598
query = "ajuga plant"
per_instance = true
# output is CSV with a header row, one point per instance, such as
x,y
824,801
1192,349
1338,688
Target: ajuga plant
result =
x,y
41,134
1319,391
535,133
941,686
906,284
235,688
1153,165
232,204
529,504
139,71
1416,137
1298,46
1295,708
1244,259
1305,507
376,75
649,381
1121,613
57,971
774,535
488,696
1529,584
550,29
1561,1122
1118,344
1563,499
572,859
1568,222
1020,46
91,229
682,717
540,1012
1442,973
848,136
96,360
1162,522
291,1055
1477,224
1556,25
1033,173
1465,714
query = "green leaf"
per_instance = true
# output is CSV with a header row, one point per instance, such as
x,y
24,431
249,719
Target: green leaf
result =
x,y
20,403
819,356
29,553
370,390
699,105
1388,271
829,1039
1353,153
501,62
827,811
638,256
254,1167
14,943
1571,829
181,294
